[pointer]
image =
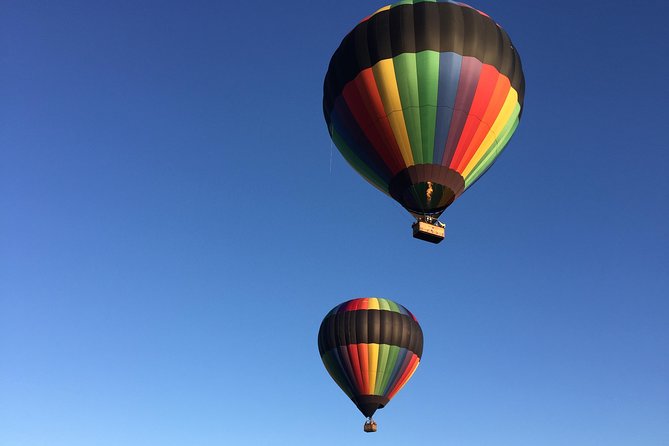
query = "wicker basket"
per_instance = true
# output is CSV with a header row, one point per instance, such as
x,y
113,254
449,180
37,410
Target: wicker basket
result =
x,y
370,426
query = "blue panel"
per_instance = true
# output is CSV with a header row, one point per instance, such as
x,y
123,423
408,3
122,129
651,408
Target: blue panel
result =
x,y
344,122
449,76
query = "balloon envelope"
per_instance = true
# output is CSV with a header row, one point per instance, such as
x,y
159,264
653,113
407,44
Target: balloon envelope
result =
x,y
421,97
371,347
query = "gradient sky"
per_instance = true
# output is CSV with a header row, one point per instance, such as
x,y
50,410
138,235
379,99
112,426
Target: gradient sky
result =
x,y
174,224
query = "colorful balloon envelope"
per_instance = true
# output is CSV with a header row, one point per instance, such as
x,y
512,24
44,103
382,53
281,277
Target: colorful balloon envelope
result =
x,y
371,347
421,97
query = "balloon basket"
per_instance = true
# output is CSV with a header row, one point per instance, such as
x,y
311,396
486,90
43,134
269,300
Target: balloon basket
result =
x,y
433,233
370,426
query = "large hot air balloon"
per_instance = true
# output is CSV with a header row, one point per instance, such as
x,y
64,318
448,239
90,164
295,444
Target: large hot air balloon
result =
x,y
370,347
420,98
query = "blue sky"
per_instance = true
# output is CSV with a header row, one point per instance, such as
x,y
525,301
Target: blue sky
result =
x,y
174,224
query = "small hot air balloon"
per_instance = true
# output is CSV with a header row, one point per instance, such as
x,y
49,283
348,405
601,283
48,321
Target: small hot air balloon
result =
x,y
420,98
371,347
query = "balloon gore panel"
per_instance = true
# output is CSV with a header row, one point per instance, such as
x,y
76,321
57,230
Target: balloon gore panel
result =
x,y
423,83
370,347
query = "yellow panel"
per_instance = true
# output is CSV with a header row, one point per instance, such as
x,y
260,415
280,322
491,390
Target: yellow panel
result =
x,y
373,353
503,117
384,73
385,8
373,304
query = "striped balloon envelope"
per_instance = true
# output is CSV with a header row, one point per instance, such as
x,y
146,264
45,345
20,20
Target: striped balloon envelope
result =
x,y
371,347
421,97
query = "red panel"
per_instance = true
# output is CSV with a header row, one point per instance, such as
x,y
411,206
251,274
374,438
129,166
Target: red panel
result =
x,y
363,100
484,90
355,362
350,305
410,367
363,355
494,107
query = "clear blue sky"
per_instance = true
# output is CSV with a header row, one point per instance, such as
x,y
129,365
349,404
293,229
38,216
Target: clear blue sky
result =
x,y
174,225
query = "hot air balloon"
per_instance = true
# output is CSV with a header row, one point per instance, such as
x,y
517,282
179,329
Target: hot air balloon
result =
x,y
420,98
370,347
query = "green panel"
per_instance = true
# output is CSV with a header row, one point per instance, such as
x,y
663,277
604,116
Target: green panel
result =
x,y
427,66
384,351
393,306
390,364
496,149
355,162
406,77
383,304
